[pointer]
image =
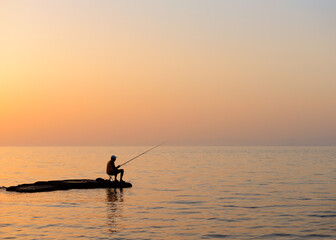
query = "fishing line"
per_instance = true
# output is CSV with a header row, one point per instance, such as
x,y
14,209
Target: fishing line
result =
x,y
142,153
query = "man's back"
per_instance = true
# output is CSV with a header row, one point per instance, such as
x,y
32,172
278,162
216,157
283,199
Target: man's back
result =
x,y
110,168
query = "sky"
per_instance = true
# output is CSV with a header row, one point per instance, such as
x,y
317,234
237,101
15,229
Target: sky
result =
x,y
188,72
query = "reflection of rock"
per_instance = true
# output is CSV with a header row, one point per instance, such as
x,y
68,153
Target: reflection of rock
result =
x,y
68,184
114,198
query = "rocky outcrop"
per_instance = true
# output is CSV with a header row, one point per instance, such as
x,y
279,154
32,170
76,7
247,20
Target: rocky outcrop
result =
x,y
45,186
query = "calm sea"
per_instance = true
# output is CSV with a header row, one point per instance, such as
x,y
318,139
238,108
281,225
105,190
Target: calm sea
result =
x,y
177,193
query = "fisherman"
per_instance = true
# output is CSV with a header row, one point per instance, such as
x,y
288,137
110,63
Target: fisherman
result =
x,y
113,170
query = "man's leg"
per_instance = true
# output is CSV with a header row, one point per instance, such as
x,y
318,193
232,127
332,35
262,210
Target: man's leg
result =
x,y
121,173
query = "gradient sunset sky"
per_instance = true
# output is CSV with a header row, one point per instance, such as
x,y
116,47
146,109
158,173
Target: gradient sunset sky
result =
x,y
191,72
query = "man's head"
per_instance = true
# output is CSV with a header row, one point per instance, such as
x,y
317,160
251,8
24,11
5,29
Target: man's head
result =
x,y
113,158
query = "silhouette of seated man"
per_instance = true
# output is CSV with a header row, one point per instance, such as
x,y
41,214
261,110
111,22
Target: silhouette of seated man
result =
x,y
113,170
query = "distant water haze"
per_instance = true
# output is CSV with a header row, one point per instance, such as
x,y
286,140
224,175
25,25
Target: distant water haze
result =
x,y
193,72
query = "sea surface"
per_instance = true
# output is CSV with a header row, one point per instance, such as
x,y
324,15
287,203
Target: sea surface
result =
x,y
177,193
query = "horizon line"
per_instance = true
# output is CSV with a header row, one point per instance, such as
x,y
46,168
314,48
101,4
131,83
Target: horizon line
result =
x,y
178,145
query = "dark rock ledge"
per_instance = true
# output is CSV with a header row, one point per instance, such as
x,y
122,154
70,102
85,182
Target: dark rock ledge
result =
x,y
45,186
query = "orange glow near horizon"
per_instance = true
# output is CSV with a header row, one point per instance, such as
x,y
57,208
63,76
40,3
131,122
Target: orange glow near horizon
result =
x,y
110,73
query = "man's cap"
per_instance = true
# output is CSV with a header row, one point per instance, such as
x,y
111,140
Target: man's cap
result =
x,y
113,157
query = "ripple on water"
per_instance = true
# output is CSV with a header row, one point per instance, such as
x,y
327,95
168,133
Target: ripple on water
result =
x,y
188,202
210,236
5,225
314,236
277,235
322,216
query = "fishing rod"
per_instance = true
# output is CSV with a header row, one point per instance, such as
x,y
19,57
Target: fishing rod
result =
x,y
142,153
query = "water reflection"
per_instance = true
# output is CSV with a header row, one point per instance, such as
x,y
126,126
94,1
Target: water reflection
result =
x,y
114,199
